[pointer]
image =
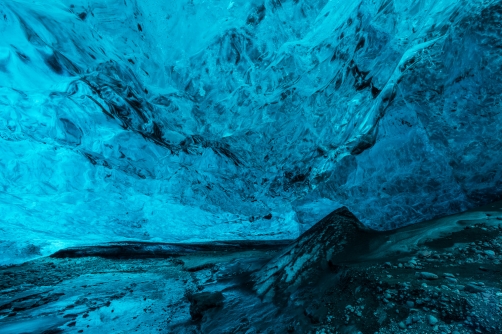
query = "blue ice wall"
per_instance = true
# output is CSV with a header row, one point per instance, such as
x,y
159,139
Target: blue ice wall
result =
x,y
191,120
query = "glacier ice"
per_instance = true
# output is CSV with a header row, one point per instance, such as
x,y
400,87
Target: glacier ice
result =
x,y
196,120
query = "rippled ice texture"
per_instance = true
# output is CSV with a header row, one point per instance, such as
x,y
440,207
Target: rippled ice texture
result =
x,y
191,120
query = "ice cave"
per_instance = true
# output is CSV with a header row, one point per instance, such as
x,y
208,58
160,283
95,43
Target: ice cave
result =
x,y
251,166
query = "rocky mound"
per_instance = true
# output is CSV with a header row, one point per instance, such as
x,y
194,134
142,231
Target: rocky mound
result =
x,y
315,252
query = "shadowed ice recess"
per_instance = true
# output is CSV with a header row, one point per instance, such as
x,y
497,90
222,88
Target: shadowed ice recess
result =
x,y
197,120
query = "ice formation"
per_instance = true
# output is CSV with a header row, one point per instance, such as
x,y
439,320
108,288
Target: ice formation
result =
x,y
196,120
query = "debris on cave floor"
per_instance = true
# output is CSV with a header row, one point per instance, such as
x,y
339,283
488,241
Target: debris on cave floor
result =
x,y
448,282
442,276
430,290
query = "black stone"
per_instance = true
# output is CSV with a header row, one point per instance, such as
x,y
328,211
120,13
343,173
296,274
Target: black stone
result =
x,y
200,303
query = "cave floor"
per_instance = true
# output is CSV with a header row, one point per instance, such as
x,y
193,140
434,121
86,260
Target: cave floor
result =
x,y
95,294
442,276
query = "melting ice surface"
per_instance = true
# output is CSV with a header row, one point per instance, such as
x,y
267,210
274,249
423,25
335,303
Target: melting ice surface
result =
x,y
197,120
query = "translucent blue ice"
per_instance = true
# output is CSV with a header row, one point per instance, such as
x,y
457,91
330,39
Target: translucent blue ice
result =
x,y
192,120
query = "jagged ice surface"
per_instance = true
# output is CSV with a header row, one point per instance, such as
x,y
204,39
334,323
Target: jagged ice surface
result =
x,y
203,120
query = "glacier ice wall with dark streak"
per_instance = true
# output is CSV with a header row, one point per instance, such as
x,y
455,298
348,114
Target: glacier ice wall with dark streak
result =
x,y
196,120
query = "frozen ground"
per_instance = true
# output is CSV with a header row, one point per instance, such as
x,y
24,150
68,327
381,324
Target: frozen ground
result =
x,y
436,277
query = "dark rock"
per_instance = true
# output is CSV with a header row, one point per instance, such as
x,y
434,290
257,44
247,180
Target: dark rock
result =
x,y
204,301
432,320
489,253
316,312
473,288
424,254
427,276
334,239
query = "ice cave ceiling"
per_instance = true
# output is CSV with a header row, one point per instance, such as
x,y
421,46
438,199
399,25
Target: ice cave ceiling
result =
x,y
192,120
